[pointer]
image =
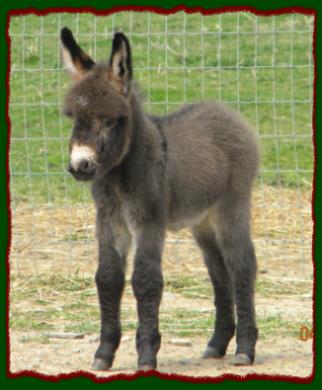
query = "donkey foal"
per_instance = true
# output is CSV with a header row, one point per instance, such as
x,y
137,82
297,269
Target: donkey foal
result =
x,y
192,168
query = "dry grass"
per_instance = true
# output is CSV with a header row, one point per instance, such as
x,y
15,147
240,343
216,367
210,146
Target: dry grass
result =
x,y
62,239
53,261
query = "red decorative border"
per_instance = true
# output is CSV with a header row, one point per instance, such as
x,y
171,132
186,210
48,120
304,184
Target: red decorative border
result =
x,y
159,10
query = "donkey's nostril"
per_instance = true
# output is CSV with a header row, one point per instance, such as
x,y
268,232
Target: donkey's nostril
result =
x,y
84,170
85,166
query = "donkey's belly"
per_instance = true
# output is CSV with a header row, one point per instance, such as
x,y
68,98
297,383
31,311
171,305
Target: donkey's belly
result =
x,y
186,222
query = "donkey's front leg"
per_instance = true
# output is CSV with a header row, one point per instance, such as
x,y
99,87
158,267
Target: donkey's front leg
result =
x,y
114,243
147,285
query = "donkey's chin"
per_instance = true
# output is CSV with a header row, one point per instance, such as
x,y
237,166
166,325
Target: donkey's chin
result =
x,y
83,177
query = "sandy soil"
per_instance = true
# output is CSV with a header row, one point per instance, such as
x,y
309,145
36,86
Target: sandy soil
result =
x,y
278,356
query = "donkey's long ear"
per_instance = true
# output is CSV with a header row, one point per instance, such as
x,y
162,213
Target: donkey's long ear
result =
x,y
75,60
120,65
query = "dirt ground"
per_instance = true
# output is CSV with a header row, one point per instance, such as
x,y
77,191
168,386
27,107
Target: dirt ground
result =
x,y
62,241
279,356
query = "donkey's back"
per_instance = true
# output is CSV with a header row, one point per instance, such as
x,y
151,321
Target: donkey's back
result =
x,y
212,153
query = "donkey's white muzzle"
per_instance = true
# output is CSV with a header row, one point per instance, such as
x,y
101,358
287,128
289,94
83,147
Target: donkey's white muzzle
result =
x,y
79,154
82,162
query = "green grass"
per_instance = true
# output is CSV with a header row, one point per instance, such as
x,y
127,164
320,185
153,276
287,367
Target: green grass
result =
x,y
69,304
275,98
201,288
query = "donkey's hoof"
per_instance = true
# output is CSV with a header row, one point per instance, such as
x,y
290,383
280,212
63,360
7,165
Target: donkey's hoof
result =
x,y
241,359
212,353
145,368
100,365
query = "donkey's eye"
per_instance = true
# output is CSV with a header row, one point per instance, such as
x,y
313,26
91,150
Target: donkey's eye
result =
x,y
110,122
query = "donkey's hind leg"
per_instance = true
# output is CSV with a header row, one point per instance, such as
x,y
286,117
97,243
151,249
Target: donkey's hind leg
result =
x,y
234,240
223,290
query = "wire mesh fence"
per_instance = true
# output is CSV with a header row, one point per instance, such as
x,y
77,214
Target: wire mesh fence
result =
x,y
261,66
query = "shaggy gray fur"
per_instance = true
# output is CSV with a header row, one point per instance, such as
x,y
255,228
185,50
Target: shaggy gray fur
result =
x,y
193,168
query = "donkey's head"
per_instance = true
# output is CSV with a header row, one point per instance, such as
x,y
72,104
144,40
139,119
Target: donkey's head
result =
x,y
98,103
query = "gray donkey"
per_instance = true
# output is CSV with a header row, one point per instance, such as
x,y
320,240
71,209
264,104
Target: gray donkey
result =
x,y
193,168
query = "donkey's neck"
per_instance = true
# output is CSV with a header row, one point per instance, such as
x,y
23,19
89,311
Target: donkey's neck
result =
x,y
145,149
145,136
138,120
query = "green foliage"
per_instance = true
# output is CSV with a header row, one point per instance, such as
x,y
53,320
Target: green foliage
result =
x,y
182,58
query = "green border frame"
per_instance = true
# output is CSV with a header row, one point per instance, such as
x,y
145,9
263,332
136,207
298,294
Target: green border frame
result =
x,y
259,5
